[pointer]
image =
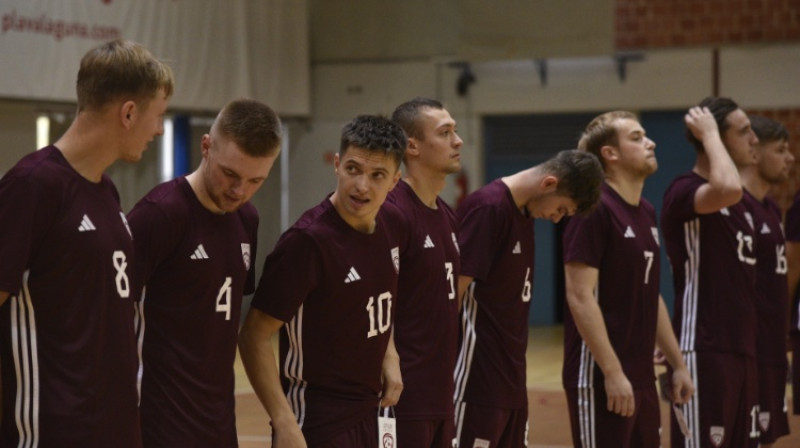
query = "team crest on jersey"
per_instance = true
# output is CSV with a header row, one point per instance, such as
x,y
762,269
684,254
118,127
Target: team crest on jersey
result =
x,y
246,255
654,231
396,258
717,435
455,241
763,420
749,219
125,221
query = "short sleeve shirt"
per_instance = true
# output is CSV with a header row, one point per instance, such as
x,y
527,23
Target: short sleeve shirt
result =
x,y
68,347
621,241
772,291
714,271
195,266
793,235
497,250
336,289
426,323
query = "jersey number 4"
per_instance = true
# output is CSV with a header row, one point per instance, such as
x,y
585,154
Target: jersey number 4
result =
x,y
224,298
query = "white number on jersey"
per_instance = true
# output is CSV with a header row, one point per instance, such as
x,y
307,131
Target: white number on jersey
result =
x,y
745,240
448,268
383,319
224,298
648,257
754,432
526,287
120,264
781,266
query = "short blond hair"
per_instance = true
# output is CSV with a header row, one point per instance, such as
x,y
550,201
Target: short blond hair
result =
x,y
121,69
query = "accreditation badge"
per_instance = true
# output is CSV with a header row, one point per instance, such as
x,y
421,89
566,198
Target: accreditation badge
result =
x,y
387,428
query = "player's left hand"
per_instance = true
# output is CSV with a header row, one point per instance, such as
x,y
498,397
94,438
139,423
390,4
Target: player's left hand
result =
x,y
392,380
682,386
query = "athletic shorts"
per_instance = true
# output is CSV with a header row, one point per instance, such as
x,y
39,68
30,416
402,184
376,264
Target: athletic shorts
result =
x,y
426,433
724,409
594,426
489,427
773,421
362,434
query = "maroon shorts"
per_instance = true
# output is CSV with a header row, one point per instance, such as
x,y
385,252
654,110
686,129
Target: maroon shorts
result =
x,y
426,433
773,421
485,426
364,433
594,426
724,409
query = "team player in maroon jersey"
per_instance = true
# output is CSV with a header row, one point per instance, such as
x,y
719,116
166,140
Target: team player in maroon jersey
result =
x,y
195,239
331,284
616,315
496,238
68,346
426,321
793,280
773,162
710,240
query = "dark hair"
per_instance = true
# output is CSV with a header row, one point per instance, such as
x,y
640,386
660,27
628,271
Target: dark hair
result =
x,y
407,115
720,107
120,69
252,125
580,177
768,130
375,133
602,131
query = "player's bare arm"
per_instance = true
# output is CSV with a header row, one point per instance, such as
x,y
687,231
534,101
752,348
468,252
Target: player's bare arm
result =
x,y
3,296
258,357
682,385
724,187
581,280
390,375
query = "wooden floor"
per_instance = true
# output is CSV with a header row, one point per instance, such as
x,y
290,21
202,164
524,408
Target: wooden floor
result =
x,y
549,421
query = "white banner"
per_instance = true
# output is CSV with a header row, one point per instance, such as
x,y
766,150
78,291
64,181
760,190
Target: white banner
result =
x,y
218,49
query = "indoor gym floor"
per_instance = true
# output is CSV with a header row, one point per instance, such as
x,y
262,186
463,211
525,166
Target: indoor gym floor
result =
x,y
549,420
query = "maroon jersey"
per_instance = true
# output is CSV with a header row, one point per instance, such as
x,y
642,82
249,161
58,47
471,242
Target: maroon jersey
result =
x,y
793,235
772,291
335,288
621,241
714,273
68,346
195,266
426,322
497,249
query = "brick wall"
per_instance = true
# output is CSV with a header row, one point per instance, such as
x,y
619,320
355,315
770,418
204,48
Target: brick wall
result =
x,y
643,24
651,24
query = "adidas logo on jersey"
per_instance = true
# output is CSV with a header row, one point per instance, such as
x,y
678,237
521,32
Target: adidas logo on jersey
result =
x,y
86,225
428,242
517,248
352,276
629,233
199,253
765,229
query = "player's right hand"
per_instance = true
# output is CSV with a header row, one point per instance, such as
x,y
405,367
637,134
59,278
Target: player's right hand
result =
x,y
701,122
288,436
620,394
